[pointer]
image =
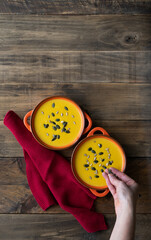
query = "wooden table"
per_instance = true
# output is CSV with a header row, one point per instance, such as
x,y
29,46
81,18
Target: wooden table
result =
x,y
99,54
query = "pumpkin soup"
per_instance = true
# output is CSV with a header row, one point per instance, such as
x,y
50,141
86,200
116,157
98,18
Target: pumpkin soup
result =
x,y
58,122
93,156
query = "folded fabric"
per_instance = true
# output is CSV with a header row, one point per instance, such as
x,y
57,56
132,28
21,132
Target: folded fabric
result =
x,y
51,179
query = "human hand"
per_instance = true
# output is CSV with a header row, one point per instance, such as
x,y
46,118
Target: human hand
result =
x,y
124,190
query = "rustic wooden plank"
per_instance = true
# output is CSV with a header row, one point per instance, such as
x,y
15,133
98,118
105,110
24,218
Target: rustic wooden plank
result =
x,y
134,136
16,197
92,33
75,7
102,101
83,66
62,226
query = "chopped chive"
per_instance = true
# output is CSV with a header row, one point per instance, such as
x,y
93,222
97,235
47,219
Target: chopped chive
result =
x,y
90,177
96,176
58,136
100,145
66,108
109,171
89,149
93,168
57,120
53,114
86,165
54,128
103,160
102,170
100,153
93,151
104,167
42,112
67,131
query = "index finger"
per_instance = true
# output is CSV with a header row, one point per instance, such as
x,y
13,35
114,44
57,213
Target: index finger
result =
x,y
122,176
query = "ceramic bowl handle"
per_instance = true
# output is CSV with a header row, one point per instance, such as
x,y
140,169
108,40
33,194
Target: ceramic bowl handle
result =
x,y
102,130
25,120
102,194
89,123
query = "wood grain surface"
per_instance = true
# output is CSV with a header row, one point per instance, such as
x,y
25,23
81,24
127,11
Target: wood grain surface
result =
x,y
97,53
61,226
75,66
75,33
77,7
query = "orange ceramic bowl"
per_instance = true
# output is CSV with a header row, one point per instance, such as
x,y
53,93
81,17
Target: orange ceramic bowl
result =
x,y
92,156
41,117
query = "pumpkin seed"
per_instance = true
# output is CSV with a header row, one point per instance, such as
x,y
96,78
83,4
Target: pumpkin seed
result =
x,y
107,164
102,170
94,141
57,120
61,114
66,108
86,169
100,145
93,151
95,154
104,167
58,136
53,114
73,116
54,138
67,131
96,161
89,149
74,122
95,158
107,149
66,114
64,124
87,162
57,112
52,122
85,154
54,128
90,177
109,171
96,176
100,153
93,168
91,164
100,165
46,125
47,134
62,121
42,112
57,126
86,165
96,171
53,105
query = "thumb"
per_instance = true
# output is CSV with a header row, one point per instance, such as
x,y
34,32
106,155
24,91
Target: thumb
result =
x,y
114,180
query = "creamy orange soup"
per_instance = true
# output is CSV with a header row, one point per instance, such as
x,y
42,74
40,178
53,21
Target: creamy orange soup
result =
x,y
58,122
93,157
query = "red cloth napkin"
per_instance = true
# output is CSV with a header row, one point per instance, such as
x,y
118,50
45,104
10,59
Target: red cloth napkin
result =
x,y
51,179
